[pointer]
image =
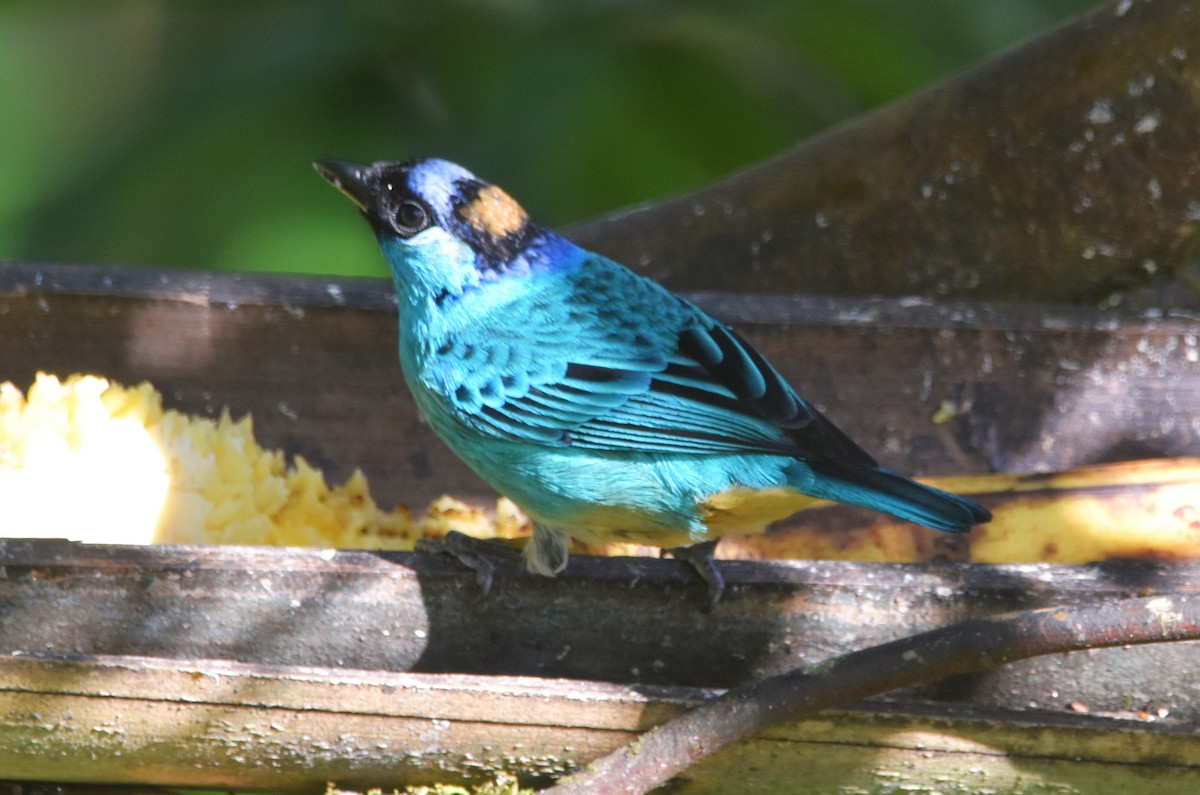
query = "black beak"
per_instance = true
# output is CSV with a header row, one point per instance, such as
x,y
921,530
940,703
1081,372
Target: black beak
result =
x,y
350,178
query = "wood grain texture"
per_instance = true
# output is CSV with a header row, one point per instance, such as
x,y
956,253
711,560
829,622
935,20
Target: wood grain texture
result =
x,y
627,620
113,720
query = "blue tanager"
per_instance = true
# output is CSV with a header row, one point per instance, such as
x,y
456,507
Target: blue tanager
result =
x,y
602,404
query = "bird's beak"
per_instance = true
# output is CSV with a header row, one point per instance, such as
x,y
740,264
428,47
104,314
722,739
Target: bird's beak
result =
x,y
350,178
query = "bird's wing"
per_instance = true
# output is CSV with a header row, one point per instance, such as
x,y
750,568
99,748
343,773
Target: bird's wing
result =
x,y
618,363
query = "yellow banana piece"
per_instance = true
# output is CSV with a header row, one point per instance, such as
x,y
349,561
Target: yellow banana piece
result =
x,y
1137,509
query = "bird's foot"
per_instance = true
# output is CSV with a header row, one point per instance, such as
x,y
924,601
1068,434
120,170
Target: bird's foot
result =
x,y
477,554
700,557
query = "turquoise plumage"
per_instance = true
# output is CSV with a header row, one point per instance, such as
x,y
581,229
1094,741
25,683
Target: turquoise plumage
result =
x,y
603,405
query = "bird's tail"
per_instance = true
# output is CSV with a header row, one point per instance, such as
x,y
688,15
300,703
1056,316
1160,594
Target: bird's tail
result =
x,y
886,491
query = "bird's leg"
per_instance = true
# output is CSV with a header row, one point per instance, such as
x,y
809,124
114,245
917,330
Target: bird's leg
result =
x,y
700,557
546,553
474,553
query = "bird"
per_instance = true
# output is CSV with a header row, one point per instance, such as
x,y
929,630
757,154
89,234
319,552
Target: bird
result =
x,y
603,405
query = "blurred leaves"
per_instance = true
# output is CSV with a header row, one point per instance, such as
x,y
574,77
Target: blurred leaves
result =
x,y
180,134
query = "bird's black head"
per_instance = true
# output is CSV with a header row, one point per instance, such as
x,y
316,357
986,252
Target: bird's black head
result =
x,y
403,199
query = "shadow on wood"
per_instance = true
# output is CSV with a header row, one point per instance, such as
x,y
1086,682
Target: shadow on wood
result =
x,y
627,620
172,719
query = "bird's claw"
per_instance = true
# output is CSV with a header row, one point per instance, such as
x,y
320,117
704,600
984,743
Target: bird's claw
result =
x,y
468,551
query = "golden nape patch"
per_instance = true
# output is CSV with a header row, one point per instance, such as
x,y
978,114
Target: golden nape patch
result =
x,y
495,212
739,511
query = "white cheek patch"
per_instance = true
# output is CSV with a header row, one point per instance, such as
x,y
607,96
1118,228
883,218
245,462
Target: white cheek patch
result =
x,y
436,244
434,261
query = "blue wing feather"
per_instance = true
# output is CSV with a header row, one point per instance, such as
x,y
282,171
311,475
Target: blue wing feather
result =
x,y
680,383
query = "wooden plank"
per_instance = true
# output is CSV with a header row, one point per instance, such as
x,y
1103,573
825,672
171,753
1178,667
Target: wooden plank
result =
x,y
314,361
629,620
1032,388
220,724
972,187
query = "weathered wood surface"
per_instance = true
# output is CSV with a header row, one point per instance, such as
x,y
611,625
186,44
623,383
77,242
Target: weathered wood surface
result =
x,y
220,724
314,361
1037,388
631,620
1059,171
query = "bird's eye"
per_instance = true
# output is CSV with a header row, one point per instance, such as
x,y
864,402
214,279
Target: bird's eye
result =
x,y
411,217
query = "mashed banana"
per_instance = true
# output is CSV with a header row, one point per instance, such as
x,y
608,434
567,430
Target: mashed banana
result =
x,y
90,460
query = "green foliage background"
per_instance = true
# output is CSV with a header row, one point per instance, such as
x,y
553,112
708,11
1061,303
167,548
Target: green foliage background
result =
x,y
180,134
